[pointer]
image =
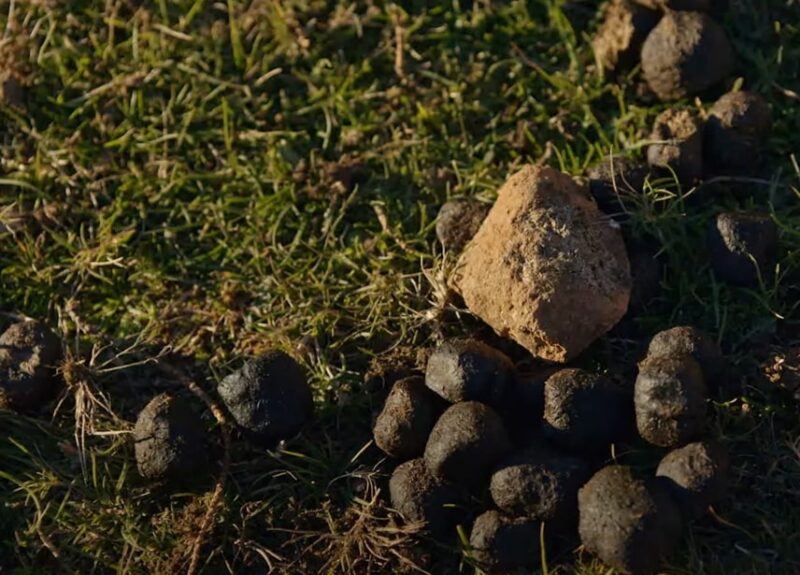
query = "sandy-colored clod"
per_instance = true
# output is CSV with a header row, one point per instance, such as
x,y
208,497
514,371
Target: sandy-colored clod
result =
x,y
546,268
677,145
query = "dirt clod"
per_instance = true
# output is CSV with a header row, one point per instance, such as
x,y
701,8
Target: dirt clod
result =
x,y
743,248
421,497
736,128
469,370
458,221
466,442
630,524
690,340
615,183
402,428
268,397
546,268
539,484
619,40
697,476
585,412
670,400
678,146
686,53
29,352
500,542
169,442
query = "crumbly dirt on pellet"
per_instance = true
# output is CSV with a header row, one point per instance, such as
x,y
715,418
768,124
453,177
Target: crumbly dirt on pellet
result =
x,y
466,443
29,354
670,400
677,146
735,132
619,39
629,523
408,416
696,476
170,441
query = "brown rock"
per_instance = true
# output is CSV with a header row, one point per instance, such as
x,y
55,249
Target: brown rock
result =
x,y
620,37
546,268
678,145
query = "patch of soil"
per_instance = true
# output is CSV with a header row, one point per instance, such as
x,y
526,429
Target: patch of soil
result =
x,y
458,221
629,523
743,248
736,129
500,543
170,442
585,412
29,355
696,475
678,146
469,370
420,497
670,399
466,442
539,484
409,414
686,53
268,397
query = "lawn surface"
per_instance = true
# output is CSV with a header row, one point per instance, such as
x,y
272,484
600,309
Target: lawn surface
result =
x,y
189,183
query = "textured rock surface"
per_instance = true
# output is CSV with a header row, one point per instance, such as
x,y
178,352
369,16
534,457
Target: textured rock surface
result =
x,y
686,53
458,221
500,542
547,268
584,411
670,400
420,497
268,397
466,442
616,182
408,416
619,39
678,145
696,476
690,340
469,370
736,129
169,442
743,247
628,523
29,353
539,484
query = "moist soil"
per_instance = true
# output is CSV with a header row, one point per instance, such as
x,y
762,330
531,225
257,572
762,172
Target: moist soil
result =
x,y
585,412
409,414
743,248
629,523
268,397
170,442
670,399
465,444
696,475
29,354
686,53
469,370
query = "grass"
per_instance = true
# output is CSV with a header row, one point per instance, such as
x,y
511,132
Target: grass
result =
x,y
196,182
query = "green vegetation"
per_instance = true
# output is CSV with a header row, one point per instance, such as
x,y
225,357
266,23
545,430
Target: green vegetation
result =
x,y
197,181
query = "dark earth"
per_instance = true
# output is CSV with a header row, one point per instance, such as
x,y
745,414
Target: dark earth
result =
x,y
466,442
268,397
670,399
420,497
616,183
585,412
29,354
629,523
458,220
501,543
409,414
696,475
677,146
170,442
685,54
743,248
736,130
690,340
